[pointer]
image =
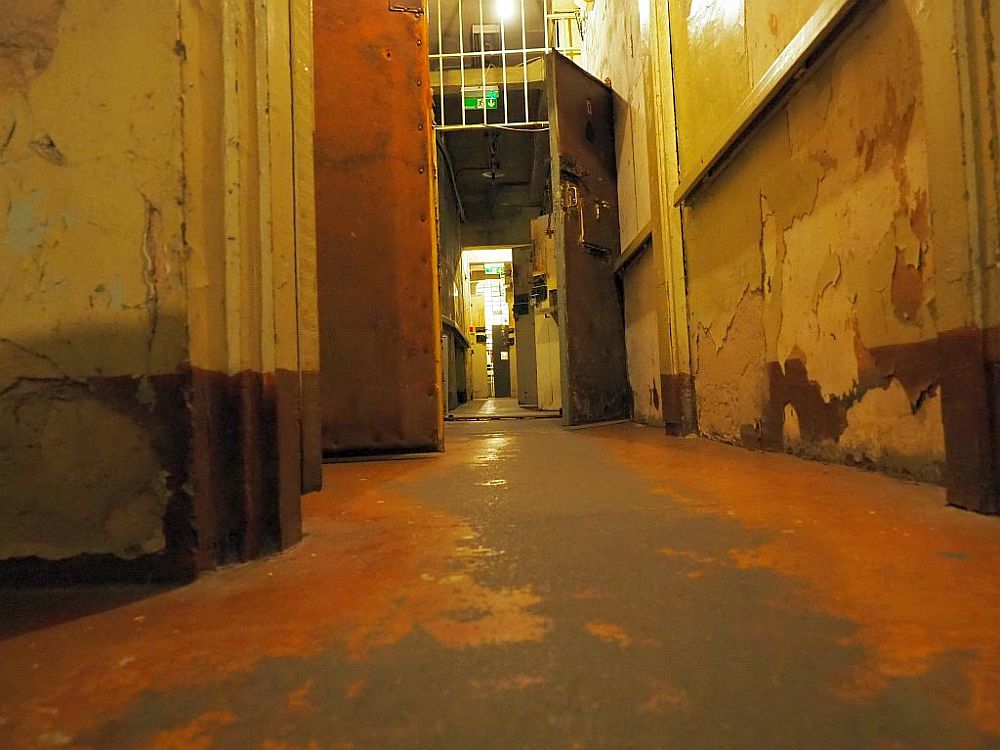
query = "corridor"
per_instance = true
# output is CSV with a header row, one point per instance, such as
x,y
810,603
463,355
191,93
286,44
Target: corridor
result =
x,y
535,587
498,408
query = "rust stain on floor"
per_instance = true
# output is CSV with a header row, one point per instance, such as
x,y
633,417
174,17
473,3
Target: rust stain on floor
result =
x,y
918,578
663,698
617,589
196,735
374,566
609,633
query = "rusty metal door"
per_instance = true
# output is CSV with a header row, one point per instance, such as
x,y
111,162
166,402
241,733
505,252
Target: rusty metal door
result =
x,y
379,316
585,217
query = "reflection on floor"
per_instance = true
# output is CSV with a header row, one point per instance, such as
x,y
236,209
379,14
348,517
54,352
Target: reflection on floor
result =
x,y
535,587
498,408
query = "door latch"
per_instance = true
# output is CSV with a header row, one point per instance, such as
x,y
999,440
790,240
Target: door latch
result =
x,y
600,205
571,196
416,9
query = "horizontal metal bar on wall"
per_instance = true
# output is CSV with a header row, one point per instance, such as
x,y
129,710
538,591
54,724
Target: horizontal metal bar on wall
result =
x,y
449,323
642,241
536,125
498,53
786,73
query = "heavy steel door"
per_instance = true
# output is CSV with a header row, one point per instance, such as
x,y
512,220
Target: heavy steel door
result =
x,y
585,217
377,258
501,362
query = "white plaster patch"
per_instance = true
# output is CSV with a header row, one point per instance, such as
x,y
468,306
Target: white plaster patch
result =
x,y
792,431
731,381
883,429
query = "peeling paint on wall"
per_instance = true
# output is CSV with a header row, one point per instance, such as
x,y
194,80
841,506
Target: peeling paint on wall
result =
x,y
732,385
823,220
25,231
113,511
30,33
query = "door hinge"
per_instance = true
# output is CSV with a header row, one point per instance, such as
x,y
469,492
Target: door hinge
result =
x,y
416,9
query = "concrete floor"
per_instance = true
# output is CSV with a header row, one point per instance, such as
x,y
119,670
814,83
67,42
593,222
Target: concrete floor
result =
x,y
541,588
498,408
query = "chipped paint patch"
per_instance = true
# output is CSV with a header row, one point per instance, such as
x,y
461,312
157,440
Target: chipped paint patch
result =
x,y
25,229
664,698
689,556
884,429
298,701
609,633
825,213
115,510
376,568
195,735
518,683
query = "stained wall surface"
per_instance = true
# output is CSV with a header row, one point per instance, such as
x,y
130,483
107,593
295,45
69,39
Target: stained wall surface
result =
x,y
811,261
150,371
451,286
617,55
93,335
548,362
620,56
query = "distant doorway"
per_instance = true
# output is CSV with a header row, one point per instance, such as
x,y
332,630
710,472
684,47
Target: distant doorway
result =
x,y
488,274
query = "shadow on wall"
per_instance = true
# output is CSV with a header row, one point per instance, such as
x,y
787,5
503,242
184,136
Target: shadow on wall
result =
x,y
96,466
100,468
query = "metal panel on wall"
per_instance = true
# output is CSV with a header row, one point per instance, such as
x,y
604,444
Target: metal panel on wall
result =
x,y
377,255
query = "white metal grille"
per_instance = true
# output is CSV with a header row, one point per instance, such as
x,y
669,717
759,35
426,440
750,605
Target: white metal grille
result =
x,y
487,65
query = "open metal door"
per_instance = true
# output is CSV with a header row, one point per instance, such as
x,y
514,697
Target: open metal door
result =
x,y
585,218
379,316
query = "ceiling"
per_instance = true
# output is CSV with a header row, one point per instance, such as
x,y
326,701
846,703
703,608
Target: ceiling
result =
x,y
498,173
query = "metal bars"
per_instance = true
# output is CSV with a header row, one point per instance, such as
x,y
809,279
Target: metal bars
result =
x,y
487,84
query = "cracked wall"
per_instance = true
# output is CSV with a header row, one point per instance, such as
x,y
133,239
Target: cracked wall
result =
x,y
810,260
158,348
92,298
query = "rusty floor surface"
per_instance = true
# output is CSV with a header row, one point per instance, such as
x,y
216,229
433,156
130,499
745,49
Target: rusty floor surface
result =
x,y
542,588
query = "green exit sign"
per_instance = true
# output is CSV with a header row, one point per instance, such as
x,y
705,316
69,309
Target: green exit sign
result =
x,y
474,99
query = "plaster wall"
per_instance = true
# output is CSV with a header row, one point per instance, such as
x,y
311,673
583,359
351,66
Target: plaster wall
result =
x,y
641,339
150,344
451,285
93,334
811,264
615,51
619,54
548,362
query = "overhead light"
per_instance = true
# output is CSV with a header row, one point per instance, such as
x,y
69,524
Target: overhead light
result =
x,y
506,9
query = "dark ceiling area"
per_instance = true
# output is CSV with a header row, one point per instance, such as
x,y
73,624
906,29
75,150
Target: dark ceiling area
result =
x,y
499,173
